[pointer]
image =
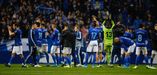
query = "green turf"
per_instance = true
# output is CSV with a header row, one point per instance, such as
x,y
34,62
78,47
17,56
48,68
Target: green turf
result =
x,y
16,69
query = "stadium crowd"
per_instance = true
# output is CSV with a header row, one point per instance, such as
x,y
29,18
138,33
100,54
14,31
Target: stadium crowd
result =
x,y
126,14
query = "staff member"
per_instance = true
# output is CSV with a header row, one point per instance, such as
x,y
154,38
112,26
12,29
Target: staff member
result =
x,y
153,35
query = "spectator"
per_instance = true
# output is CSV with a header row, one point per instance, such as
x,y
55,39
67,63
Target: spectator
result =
x,y
25,12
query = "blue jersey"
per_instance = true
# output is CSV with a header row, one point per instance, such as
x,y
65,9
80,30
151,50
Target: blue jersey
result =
x,y
44,41
128,35
93,34
141,37
38,36
126,41
55,37
18,36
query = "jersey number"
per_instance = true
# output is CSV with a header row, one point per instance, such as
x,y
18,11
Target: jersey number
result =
x,y
139,38
40,35
109,34
94,35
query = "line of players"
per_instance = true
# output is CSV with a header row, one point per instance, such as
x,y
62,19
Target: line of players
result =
x,y
99,39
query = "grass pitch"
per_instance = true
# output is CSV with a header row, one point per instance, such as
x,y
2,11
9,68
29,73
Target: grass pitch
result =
x,y
16,69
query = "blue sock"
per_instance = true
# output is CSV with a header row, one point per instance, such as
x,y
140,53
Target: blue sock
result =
x,y
22,59
37,59
151,61
63,59
137,60
146,59
122,59
58,60
11,58
94,59
47,57
54,59
126,59
86,61
68,60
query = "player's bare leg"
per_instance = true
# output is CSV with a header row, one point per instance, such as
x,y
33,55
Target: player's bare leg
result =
x,y
99,59
99,55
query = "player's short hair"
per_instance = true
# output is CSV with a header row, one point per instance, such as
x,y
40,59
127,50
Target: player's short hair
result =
x,y
16,25
54,25
108,23
38,24
65,24
94,24
43,25
142,25
155,26
76,25
116,41
33,24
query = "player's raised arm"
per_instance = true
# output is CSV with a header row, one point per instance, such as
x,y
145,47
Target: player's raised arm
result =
x,y
94,19
10,31
113,24
103,23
